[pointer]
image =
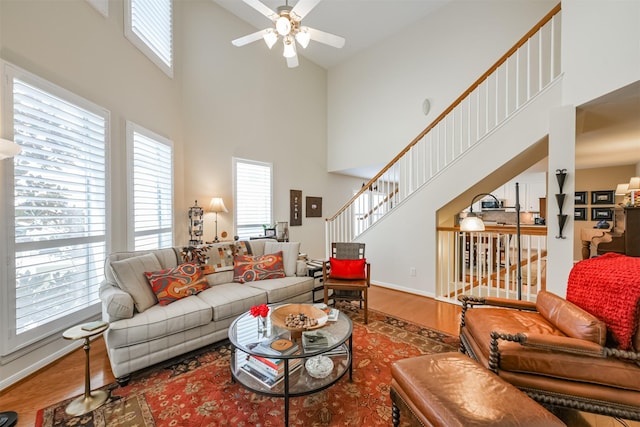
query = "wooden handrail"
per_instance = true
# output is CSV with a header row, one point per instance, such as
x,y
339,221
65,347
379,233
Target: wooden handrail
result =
x,y
455,103
525,230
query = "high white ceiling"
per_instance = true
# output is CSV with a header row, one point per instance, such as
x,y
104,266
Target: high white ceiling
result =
x,y
608,129
361,22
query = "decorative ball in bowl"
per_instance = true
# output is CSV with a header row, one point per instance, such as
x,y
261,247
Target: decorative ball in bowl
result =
x,y
298,317
319,366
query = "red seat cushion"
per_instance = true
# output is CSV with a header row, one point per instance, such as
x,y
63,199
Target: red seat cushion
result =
x,y
349,269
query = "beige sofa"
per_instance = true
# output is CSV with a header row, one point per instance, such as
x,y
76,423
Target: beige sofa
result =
x,y
142,332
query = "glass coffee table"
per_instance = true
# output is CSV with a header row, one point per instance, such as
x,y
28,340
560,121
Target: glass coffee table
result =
x,y
245,339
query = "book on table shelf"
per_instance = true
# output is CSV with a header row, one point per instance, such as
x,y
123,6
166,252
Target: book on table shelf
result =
x,y
274,367
317,339
263,376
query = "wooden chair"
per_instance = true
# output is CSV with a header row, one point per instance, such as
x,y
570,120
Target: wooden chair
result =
x,y
347,289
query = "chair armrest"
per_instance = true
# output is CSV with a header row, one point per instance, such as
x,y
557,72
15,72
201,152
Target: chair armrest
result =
x,y
470,301
562,344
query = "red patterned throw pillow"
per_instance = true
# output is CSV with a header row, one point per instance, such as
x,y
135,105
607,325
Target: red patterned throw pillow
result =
x,y
253,268
350,269
175,283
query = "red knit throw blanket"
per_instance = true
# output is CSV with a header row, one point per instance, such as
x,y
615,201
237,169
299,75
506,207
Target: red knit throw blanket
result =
x,y
608,287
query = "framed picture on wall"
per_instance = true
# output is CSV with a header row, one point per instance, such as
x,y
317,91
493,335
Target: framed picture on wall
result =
x,y
599,214
314,207
580,214
295,207
580,198
603,197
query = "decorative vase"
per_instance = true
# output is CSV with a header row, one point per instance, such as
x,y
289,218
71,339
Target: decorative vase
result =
x,y
560,200
262,325
561,174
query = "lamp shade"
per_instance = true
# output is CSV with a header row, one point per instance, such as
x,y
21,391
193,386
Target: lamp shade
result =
x,y
622,189
289,48
270,38
303,37
8,149
217,205
634,183
471,223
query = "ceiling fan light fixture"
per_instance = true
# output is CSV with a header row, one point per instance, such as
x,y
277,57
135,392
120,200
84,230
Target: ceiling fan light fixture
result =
x,y
270,38
303,37
283,25
289,48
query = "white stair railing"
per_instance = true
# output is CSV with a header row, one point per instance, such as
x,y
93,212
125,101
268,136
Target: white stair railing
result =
x,y
486,263
522,73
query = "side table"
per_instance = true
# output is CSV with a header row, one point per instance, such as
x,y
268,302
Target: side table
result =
x,y
90,400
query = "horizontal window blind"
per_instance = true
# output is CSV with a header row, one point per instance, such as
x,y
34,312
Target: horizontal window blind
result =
x,y
151,22
59,206
252,198
152,191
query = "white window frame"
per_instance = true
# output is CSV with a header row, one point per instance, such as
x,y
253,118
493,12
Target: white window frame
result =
x,y
10,341
146,46
131,130
238,208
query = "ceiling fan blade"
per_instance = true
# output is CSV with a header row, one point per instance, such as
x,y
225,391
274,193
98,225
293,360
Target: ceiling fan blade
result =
x,y
303,8
250,38
326,38
262,8
292,62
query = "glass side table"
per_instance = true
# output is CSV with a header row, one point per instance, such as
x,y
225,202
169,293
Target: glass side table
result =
x,y
90,400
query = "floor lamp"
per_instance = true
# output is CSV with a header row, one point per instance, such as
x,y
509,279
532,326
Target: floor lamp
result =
x,y
217,205
473,223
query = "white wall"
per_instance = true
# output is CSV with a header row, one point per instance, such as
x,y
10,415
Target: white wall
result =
x,y
600,47
375,99
245,102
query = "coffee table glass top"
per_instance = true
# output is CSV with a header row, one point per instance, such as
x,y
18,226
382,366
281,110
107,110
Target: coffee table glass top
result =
x,y
244,334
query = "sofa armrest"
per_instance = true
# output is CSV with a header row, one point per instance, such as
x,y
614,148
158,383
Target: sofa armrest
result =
x,y
116,303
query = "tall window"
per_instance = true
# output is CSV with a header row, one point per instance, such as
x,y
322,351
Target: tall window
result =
x,y
150,189
57,219
148,25
253,195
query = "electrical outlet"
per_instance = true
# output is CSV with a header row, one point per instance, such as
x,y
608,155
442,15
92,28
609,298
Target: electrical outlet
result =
x,y
412,271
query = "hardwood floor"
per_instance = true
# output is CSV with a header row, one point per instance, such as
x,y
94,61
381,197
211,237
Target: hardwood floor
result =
x,y
64,378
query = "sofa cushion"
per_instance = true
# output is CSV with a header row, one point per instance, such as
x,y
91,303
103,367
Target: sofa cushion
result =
x,y
160,321
230,300
252,268
220,257
129,275
176,283
571,319
284,289
290,251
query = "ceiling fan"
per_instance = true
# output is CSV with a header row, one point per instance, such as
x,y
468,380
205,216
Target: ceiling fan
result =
x,y
286,25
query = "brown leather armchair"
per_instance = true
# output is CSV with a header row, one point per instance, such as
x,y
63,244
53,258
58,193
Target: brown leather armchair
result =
x,y
554,351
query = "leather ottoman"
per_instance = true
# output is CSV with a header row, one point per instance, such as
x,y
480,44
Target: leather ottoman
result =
x,y
450,389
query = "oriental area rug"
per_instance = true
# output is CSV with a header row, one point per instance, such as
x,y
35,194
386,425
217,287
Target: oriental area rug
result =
x,y
196,389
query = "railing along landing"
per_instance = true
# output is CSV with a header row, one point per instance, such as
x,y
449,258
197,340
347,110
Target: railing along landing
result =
x,y
486,263
523,72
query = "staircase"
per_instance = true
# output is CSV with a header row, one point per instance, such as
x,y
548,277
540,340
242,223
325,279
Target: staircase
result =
x,y
524,73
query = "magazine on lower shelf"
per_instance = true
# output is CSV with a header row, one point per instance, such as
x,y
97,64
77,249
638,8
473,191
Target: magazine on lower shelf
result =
x,y
263,377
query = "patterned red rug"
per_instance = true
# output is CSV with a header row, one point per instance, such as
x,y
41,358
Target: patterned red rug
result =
x,y
197,389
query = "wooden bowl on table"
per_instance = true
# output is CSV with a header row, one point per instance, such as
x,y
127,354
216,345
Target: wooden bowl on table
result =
x,y
279,316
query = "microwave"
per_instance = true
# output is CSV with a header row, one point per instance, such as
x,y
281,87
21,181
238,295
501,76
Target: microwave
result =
x,y
491,204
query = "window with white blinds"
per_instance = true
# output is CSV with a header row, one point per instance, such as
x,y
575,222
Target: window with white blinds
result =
x,y
59,207
253,197
150,189
148,25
